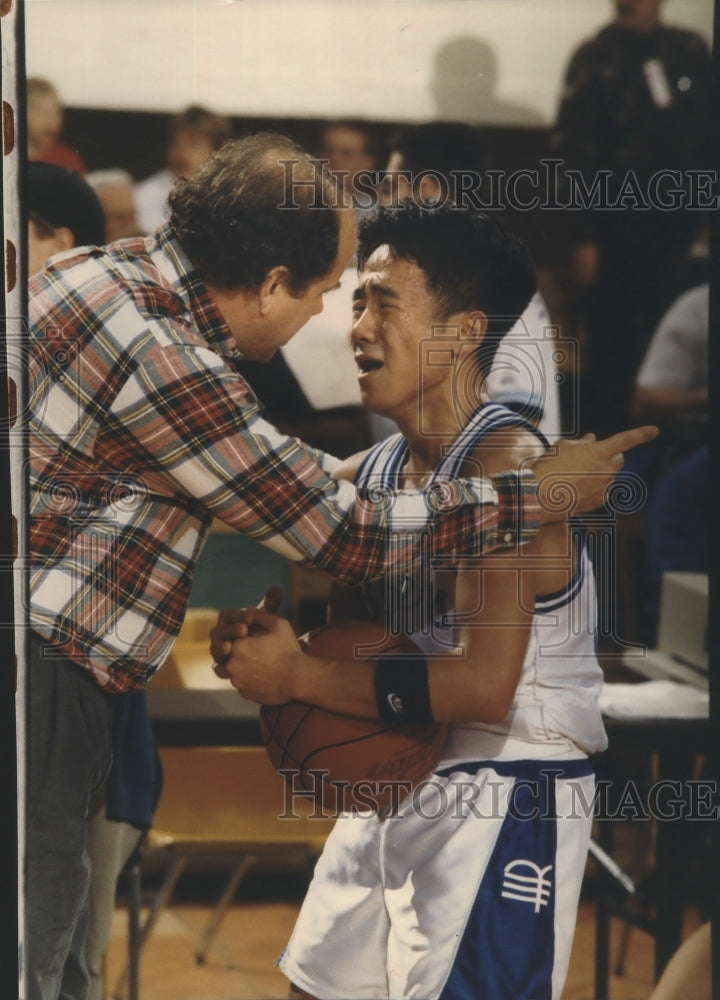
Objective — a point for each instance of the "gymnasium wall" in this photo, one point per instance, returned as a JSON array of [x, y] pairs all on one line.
[[317, 58]]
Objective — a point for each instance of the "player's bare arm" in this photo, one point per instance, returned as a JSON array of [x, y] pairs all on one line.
[[494, 602]]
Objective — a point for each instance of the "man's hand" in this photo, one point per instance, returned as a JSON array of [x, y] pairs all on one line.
[[261, 666], [237, 623], [575, 475]]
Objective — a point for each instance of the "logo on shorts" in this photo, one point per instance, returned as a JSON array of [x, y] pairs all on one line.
[[528, 888]]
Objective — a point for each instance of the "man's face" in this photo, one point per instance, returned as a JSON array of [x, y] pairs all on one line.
[[393, 314], [289, 313], [345, 149], [637, 15], [187, 152]]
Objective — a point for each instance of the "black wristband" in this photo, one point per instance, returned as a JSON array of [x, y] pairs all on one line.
[[402, 692]]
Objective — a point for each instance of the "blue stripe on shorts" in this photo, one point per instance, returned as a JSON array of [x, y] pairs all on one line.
[[507, 948]]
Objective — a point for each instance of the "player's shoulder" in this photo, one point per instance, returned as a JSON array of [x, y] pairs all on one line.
[[505, 450]]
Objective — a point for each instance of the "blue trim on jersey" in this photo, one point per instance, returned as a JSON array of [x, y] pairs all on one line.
[[507, 950], [383, 463], [547, 603]]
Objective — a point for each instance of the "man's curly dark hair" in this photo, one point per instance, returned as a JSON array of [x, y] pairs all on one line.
[[258, 203]]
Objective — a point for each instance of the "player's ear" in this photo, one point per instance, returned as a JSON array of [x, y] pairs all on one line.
[[274, 287], [473, 325]]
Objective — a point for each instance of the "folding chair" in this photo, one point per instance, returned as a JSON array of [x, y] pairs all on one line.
[[219, 804], [222, 804]]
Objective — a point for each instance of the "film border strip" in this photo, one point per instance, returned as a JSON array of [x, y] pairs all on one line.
[[12, 463]]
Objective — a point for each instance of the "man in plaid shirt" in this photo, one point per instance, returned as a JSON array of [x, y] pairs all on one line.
[[141, 431]]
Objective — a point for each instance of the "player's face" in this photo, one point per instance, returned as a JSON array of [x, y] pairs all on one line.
[[393, 318]]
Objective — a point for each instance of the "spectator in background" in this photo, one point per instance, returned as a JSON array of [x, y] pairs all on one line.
[[45, 120], [671, 388], [636, 102], [677, 531], [351, 148], [194, 135], [64, 212], [115, 190]]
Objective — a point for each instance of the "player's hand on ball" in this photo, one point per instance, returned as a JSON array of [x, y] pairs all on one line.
[[261, 666], [237, 623]]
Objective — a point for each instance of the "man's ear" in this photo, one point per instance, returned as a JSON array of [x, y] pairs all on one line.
[[273, 287]]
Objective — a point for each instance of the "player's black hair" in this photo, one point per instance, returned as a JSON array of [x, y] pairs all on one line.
[[258, 203], [470, 261]]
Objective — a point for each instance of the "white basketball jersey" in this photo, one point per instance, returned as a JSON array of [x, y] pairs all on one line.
[[555, 712]]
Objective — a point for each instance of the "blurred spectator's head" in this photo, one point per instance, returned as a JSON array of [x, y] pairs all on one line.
[[195, 134], [349, 147], [425, 160], [63, 212], [637, 15], [44, 117], [114, 189]]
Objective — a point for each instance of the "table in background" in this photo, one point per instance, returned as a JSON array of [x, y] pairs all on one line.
[[203, 718]]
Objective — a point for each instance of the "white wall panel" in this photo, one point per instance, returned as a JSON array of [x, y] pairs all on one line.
[[311, 58]]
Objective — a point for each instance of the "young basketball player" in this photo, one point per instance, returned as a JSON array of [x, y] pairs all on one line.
[[470, 888]]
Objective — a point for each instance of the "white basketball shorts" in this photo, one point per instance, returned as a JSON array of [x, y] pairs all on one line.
[[468, 892]]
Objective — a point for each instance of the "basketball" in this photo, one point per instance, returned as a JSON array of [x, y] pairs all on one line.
[[346, 763]]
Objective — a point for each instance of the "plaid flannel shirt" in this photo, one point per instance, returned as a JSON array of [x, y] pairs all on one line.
[[141, 432]]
